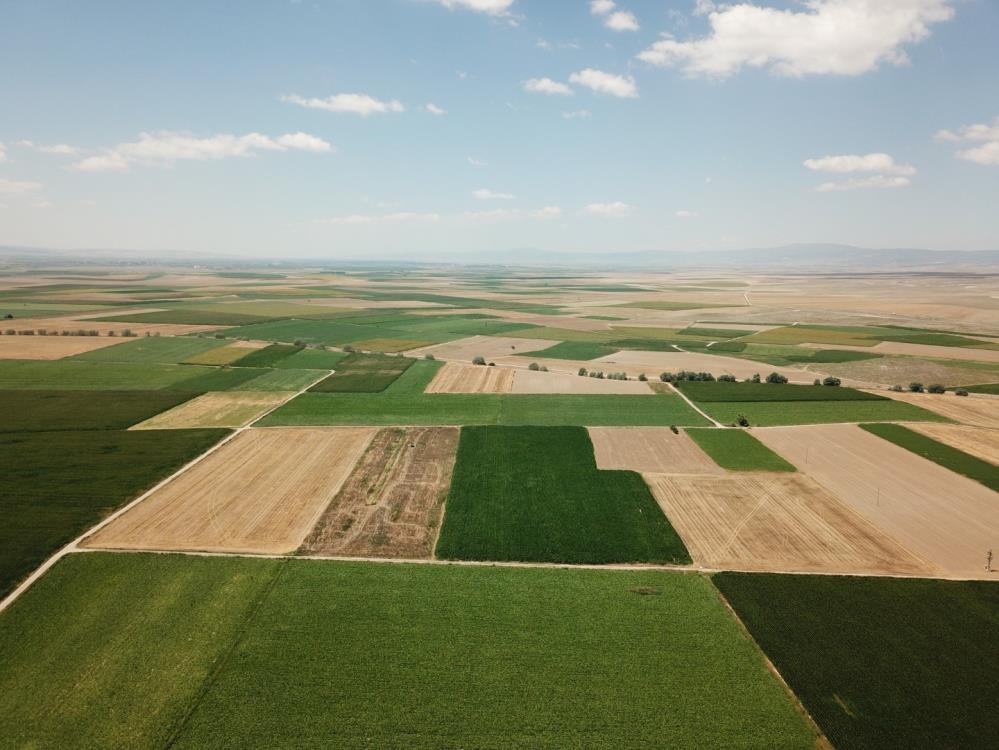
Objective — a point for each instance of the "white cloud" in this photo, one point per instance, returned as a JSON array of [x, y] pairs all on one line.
[[622, 20], [547, 86], [548, 212], [865, 183], [495, 214], [434, 109], [166, 147], [985, 134], [357, 104], [485, 194], [601, 7], [60, 149], [684, 214], [881, 163], [477, 162], [615, 210], [606, 83], [579, 114], [498, 8], [703, 7], [394, 218], [837, 37], [14, 187], [3, 152]]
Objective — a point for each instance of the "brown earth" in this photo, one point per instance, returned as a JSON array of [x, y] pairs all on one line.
[[656, 450], [653, 363], [776, 522], [903, 370], [945, 518], [51, 347], [535, 381], [262, 492], [980, 411], [454, 377], [393, 502], [219, 409], [982, 442], [920, 350], [489, 347]]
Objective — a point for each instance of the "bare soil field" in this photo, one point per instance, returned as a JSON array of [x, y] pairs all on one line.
[[262, 492], [941, 516], [534, 381], [217, 409], [393, 502], [490, 347], [652, 363], [977, 410], [903, 370], [655, 450], [776, 522], [50, 347], [978, 441], [458, 378]]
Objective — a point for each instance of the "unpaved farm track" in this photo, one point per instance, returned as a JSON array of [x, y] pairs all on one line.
[[941, 516], [656, 450], [776, 522], [393, 502], [261, 492], [454, 377]]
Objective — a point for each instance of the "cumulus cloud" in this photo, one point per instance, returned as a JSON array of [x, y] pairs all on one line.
[[489, 7], [357, 104], [865, 183], [393, 218], [547, 86], [60, 149], [882, 163], [166, 147], [615, 210], [485, 194], [477, 162], [606, 83], [986, 135], [601, 7], [3, 152], [826, 37], [14, 187], [434, 109], [579, 114], [548, 212], [616, 20]]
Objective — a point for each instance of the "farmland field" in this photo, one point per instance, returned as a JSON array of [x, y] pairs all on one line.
[[363, 373], [709, 392], [649, 449], [770, 413], [880, 662], [45, 411], [50, 347], [978, 441], [220, 409], [455, 377], [576, 350], [543, 499], [169, 350], [151, 650], [73, 374], [738, 450], [268, 356]]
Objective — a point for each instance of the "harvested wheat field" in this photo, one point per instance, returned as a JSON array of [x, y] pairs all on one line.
[[656, 450], [393, 502], [656, 362], [941, 516], [489, 347], [51, 347], [980, 411], [219, 409], [982, 442], [776, 522], [458, 378], [535, 381], [261, 492]]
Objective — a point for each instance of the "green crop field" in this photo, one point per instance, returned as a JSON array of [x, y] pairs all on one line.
[[738, 450], [48, 411], [880, 662], [535, 494], [948, 457], [280, 380], [213, 316], [168, 350], [990, 388], [706, 392], [773, 413], [223, 355], [73, 374], [363, 373], [113, 650], [575, 350], [484, 408], [269, 356], [311, 359], [415, 379], [565, 334], [57, 484]]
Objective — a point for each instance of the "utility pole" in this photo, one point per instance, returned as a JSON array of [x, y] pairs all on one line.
[[988, 561]]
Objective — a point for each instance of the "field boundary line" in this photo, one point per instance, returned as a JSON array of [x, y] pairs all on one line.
[[74, 545], [695, 407]]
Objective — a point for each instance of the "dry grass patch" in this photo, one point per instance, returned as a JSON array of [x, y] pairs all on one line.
[[941, 516], [533, 381], [652, 363], [51, 347], [490, 347], [458, 378], [221, 409], [982, 442], [224, 355], [980, 411], [776, 522], [656, 450], [393, 502], [261, 492]]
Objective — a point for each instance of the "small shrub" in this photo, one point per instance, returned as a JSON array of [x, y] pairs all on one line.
[[492, 364], [936, 388], [755, 378], [348, 348], [299, 343], [642, 378], [960, 392], [896, 388], [742, 420], [776, 378], [478, 360], [582, 372], [916, 387], [429, 356], [543, 368], [816, 382], [673, 429], [534, 366], [831, 382]]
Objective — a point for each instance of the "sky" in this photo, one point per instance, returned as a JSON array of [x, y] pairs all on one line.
[[423, 129]]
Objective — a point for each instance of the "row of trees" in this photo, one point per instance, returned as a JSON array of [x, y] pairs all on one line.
[[916, 387]]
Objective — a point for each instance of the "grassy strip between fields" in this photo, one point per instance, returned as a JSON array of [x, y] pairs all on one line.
[[57, 484], [113, 650], [484, 408], [535, 494], [880, 662], [773, 413], [738, 450], [950, 458], [48, 411]]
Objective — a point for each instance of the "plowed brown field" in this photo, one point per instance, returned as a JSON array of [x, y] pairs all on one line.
[[490, 347], [941, 516], [776, 522], [535, 381], [655, 450], [458, 378], [51, 347], [393, 502], [261, 492], [220, 409]]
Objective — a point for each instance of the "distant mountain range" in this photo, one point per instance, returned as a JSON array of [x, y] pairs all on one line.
[[826, 258]]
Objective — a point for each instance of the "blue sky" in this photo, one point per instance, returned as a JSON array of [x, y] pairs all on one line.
[[430, 128]]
